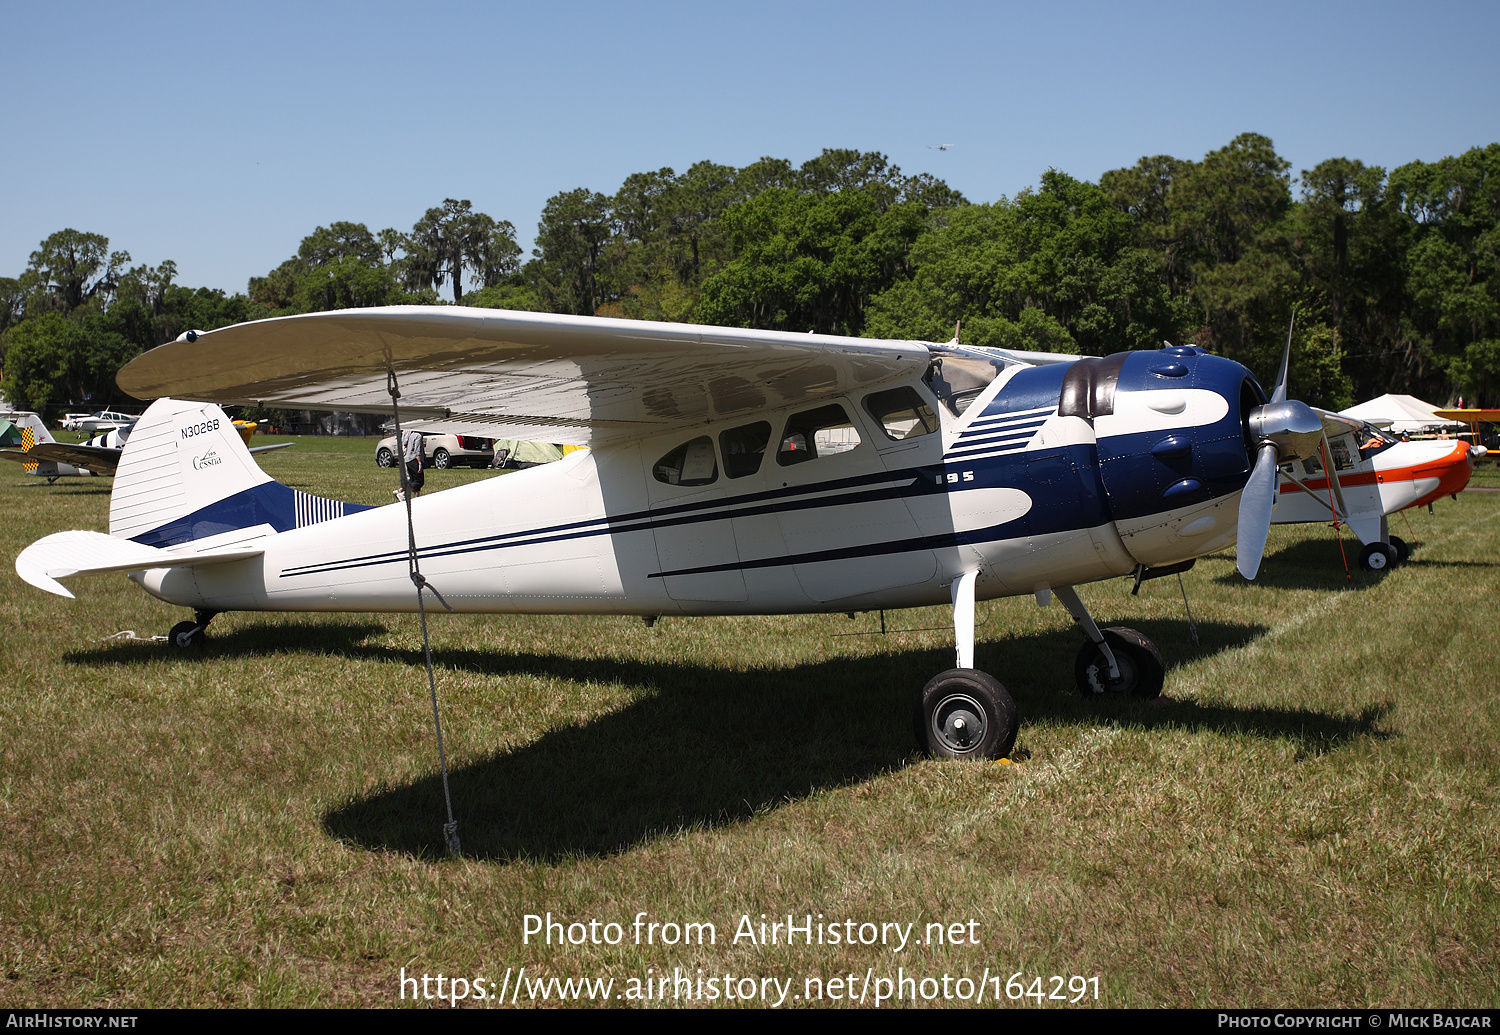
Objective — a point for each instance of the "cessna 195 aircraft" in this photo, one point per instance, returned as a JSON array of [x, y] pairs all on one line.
[[730, 472]]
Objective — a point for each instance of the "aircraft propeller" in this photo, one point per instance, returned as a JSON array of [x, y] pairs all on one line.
[[1283, 431]]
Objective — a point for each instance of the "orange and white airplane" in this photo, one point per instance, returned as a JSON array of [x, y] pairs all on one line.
[[1375, 474]]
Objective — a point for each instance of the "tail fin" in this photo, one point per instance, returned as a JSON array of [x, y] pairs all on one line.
[[33, 433], [185, 476]]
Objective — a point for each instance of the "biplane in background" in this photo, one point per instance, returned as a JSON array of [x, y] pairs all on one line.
[[730, 472], [1361, 475]]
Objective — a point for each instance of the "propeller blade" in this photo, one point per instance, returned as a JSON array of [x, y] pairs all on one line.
[[1256, 502], [1278, 394]]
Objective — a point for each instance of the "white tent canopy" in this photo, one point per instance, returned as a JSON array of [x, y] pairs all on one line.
[[1401, 413]]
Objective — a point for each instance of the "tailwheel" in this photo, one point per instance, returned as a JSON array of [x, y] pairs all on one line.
[[1141, 669], [187, 635], [190, 635], [1377, 557], [964, 713]]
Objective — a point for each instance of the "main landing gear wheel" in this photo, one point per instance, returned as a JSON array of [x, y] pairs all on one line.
[[1377, 557], [187, 635], [1142, 670], [1403, 552], [964, 713]]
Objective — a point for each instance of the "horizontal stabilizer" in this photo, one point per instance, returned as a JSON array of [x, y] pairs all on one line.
[[70, 553], [99, 459]]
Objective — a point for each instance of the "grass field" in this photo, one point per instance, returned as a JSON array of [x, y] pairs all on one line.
[[1307, 817]]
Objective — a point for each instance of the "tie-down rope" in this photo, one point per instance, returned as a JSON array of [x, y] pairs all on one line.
[[450, 828]]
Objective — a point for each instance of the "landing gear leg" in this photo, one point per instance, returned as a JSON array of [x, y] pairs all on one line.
[[190, 634], [1115, 660], [964, 713], [1070, 599]]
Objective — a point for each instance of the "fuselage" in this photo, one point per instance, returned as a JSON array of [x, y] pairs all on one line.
[[1374, 479], [1031, 476]]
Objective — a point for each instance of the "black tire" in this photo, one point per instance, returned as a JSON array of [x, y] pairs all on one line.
[[187, 635], [384, 457], [1142, 671], [1376, 557], [441, 459], [1403, 552], [966, 714]]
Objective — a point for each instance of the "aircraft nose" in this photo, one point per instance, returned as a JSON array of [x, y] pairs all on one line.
[[1176, 435]]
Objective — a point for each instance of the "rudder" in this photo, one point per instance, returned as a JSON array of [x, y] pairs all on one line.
[[185, 475]]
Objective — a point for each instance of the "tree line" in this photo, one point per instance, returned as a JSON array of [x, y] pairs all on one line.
[[1393, 275]]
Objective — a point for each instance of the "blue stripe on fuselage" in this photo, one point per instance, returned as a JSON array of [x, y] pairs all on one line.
[[1063, 484], [269, 503]]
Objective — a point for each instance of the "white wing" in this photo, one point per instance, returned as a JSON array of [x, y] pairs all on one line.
[[507, 374]]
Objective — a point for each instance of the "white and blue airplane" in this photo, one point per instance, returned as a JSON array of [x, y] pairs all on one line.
[[729, 472]]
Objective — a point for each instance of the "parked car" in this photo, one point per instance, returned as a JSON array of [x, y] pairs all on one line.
[[441, 451]]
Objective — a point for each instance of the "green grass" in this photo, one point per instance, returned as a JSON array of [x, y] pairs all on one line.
[[1307, 816]]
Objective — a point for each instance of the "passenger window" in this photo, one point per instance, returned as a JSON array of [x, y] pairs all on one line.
[[901, 413], [691, 463], [744, 448], [816, 433]]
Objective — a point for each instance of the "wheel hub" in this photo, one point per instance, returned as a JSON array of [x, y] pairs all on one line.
[[958, 721], [1099, 679]]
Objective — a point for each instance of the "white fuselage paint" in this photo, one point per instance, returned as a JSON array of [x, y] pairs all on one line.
[[596, 533]]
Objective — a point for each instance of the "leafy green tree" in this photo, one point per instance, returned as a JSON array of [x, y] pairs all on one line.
[[1452, 267], [1056, 270], [50, 360], [574, 233], [71, 268], [448, 240], [809, 261], [13, 293], [339, 266]]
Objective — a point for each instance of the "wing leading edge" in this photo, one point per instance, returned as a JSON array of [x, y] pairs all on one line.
[[573, 379]]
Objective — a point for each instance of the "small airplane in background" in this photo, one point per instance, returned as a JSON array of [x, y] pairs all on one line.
[[730, 471], [42, 455], [94, 423], [24, 439], [1361, 475]]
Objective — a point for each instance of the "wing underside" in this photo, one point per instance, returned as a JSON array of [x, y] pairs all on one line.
[[572, 379]]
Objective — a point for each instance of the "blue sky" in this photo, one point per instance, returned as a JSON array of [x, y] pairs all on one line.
[[218, 135]]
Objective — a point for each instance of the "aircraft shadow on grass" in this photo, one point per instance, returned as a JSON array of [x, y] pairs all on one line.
[[1311, 563], [1314, 563], [706, 746], [63, 490]]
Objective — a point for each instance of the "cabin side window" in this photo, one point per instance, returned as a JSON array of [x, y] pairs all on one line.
[[901, 413], [691, 463], [815, 433], [744, 448]]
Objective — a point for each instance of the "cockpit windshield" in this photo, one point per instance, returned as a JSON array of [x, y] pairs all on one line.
[[957, 376], [1372, 440]]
